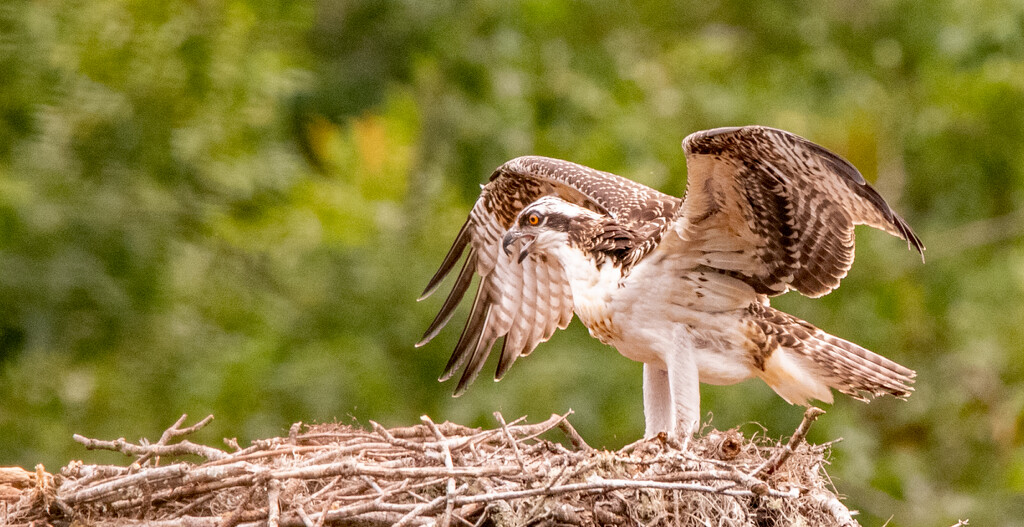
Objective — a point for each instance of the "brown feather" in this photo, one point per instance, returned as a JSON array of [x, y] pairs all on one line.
[[837, 363], [529, 302], [795, 203], [452, 301]]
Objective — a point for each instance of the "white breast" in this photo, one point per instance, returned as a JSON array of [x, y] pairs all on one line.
[[660, 308], [593, 292]]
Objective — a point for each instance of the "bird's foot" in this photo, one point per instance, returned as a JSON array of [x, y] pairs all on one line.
[[654, 444], [678, 441]]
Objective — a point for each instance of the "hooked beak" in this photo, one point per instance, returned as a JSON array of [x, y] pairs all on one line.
[[511, 237]]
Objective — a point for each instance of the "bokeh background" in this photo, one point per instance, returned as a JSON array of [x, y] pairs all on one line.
[[230, 207]]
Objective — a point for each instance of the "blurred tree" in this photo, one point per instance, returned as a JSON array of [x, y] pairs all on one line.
[[229, 208]]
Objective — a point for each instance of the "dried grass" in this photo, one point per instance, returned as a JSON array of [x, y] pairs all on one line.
[[437, 474]]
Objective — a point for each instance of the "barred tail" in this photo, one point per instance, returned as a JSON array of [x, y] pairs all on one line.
[[808, 362], [858, 372]]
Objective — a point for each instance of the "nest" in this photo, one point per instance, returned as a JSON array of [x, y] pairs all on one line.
[[438, 474]]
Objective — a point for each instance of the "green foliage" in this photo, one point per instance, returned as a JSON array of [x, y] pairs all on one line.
[[230, 208]]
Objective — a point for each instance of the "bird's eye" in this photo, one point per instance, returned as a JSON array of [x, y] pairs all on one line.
[[533, 219]]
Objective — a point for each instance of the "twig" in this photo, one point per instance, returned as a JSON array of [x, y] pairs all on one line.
[[511, 440], [404, 443], [323, 489], [558, 479], [448, 463], [531, 431], [129, 449], [103, 489], [323, 514], [833, 507], [194, 505], [424, 508], [304, 516], [571, 433], [372, 484], [781, 455], [174, 432], [236, 515], [273, 502], [283, 451]]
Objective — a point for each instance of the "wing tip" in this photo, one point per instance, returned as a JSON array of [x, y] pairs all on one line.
[[432, 285], [444, 315], [428, 291], [475, 365], [913, 240], [506, 358]]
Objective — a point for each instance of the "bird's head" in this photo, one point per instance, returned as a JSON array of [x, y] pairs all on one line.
[[544, 225]]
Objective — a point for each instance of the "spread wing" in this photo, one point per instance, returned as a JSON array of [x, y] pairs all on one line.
[[776, 210], [525, 303]]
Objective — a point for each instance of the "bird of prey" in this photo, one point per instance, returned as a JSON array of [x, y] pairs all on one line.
[[681, 285]]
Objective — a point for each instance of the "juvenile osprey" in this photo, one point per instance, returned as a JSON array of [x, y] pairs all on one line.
[[680, 285]]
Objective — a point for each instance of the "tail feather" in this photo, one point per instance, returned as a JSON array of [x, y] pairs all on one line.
[[856, 371], [801, 362]]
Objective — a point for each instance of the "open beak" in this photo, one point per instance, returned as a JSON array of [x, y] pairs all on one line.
[[513, 236]]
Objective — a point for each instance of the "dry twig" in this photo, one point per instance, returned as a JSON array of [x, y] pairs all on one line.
[[782, 454]]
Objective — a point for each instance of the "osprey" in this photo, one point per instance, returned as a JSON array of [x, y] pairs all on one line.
[[680, 285]]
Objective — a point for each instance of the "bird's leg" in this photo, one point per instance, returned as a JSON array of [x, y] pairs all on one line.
[[657, 401], [684, 385]]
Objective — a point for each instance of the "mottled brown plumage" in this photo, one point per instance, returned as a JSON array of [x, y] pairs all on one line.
[[638, 215], [679, 285], [848, 367], [802, 216]]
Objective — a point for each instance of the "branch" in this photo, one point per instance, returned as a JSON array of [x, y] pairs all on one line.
[[449, 463], [574, 436], [511, 440], [273, 503], [833, 507], [174, 432], [781, 455], [404, 443], [146, 451]]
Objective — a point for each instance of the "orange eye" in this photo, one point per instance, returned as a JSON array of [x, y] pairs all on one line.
[[533, 219]]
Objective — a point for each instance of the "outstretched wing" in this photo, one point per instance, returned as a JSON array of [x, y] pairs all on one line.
[[776, 210], [525, 303]]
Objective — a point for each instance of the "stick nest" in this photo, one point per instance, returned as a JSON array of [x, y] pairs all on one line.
[[437, 474]]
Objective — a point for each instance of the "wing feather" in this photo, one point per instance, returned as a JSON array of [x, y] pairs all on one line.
[[777, 209], [526, 303], [454, 253], [454, 297], [470, 335], [478, 355]]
